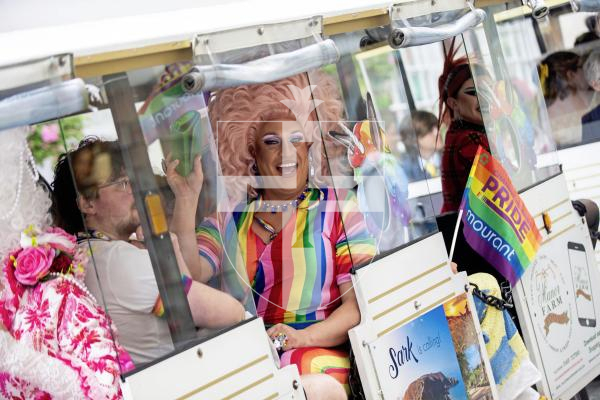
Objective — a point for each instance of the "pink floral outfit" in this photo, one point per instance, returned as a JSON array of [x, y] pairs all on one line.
[[58, 342]]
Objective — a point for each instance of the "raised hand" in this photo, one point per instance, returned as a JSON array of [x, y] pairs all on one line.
[[184, 187]]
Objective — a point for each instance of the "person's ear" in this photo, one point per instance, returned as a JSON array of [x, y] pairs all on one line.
[[86, 206], [571, 75], [452, 103], [596, 85]]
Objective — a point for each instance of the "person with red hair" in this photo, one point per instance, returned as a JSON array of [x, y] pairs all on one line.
[[460, 108]]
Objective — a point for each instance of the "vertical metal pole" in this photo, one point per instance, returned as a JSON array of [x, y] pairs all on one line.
[[538, 36], [350, 89], [407, 91], [139, 171], [494, 44]]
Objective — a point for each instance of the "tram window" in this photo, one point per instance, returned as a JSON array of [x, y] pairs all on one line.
[[405, 97], [138, 270], [521, 49], [309, 194], [513, 110], [423, 65], [394, 196], [565, 39], [381, 73]]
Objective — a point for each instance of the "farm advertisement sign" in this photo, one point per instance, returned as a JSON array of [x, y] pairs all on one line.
[[563, 305]]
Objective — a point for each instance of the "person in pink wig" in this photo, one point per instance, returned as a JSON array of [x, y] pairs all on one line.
[[295, 236]]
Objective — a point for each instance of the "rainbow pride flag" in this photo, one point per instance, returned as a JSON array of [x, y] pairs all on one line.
[[497, 225]]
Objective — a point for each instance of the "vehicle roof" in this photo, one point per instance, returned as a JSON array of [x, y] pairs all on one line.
[[86, 34]]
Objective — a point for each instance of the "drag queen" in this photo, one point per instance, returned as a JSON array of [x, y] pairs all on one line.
[[295, 237]]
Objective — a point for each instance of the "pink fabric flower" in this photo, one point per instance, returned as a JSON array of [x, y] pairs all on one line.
[[58, 239], [33, 263], [62, 264], [49, 133]]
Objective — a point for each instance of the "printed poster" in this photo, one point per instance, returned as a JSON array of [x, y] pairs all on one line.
[[436, 356], [563, 305]]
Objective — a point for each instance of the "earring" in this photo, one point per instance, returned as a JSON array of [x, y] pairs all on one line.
[[311, 170], [457, 116], [254, 168]]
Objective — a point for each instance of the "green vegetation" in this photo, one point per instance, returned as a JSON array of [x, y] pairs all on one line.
[[50, 139]]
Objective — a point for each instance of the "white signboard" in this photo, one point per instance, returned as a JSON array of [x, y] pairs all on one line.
[[562, 306], [558, 300], [419, 329], [437, 355]]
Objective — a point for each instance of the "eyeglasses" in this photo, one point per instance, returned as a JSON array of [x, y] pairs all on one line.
[[123, 185]]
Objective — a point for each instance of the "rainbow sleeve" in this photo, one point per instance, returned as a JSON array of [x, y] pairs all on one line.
[[159, 309], [354, 245], [210, 245]]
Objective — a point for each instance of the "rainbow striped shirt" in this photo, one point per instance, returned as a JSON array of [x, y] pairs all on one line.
[[296, 277]]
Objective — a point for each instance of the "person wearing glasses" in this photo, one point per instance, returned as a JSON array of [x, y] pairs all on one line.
[[100, 209], [590, 121]]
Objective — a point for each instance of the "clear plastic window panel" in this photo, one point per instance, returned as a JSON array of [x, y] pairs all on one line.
[[286, 191], [378, 152], [135, 193], [569, 43], [304, 194], [511, 100]]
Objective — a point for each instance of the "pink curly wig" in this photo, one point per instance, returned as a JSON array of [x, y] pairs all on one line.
[[236, 114]]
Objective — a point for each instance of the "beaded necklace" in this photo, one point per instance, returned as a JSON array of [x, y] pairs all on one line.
[[74, 281], [81, 285], [265, 206], [25, 153]]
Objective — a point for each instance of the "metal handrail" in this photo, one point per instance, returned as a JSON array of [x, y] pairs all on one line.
[[43, 104], [267, 69], [419, 35]]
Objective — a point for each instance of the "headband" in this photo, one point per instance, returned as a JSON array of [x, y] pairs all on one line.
[[455, 80]]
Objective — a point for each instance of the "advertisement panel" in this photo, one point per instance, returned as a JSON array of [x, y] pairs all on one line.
[[562, 304], [437, 356]]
